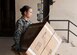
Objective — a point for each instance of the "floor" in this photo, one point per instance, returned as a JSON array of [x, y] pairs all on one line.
[[5, 46], [7, 42]]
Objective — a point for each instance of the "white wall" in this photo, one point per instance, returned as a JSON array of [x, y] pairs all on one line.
[[64, 10], [32, 3], [61, 9]]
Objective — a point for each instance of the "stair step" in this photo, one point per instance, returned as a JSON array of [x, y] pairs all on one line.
[[73, 40], [66, 49]]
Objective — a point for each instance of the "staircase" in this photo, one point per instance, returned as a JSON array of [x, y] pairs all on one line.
[[69, 44]]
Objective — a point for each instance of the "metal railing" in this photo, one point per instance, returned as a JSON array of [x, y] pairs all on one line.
[[68, 28]]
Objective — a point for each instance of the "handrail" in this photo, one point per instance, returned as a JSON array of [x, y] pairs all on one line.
[[73, 33], [61, 29], [68, 29], [58, 20], [75, 26], [73, 23]]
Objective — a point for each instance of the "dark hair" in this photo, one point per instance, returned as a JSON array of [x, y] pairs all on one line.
[[24, 8]]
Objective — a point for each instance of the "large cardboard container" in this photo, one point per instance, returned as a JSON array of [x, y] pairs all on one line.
[[30, 34], [46, 43]]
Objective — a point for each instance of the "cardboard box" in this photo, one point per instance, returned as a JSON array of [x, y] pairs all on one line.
[[46, 42]]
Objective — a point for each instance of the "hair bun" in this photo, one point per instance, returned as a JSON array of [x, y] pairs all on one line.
[[24, 8]]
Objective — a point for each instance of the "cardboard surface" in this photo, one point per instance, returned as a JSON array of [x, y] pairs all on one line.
[[46, 42]]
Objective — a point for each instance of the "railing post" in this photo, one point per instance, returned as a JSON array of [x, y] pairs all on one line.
[[68, 31]]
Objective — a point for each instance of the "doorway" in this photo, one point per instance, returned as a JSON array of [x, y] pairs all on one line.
[[7, 17]]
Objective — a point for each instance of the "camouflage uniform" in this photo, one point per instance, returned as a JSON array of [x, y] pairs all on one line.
[[21, 26]]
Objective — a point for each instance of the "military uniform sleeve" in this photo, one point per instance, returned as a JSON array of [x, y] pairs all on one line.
[[18, 31]]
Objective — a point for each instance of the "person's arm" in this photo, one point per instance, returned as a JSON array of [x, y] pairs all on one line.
[[17, 35], [18, 31]]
